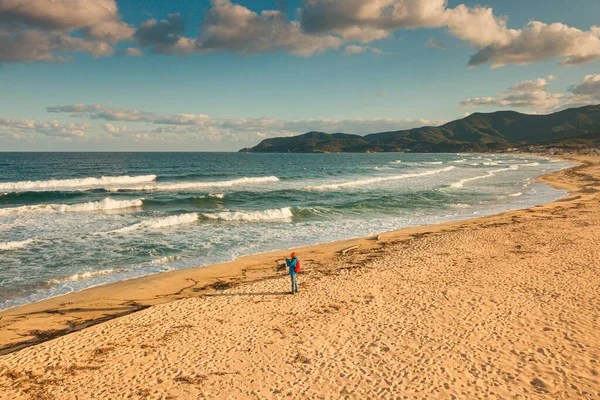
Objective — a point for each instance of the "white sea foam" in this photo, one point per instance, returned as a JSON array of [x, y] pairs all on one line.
[[433, 162], [14, 245], [533, 164], [489, 174], [459, 161], [159, 223], [92, 274], [102, 205], [183, 186], [460, 205], [213, 195], [160, 261], [82, 276], [515, 194], [262, 215], [396, 162], [363, 182], [62, 184]]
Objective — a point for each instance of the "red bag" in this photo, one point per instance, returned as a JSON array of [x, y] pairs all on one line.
[[297, 269]]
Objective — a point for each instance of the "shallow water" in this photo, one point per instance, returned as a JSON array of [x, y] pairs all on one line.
[[69, 221]]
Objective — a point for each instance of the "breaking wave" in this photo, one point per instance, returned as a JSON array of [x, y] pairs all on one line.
[[263, 215], [78, 183], [363, 182], [213, 196], [183, 186], [82, 276], [88, 275], [102, 205], [14, 245], [159, 223], [461, 183]]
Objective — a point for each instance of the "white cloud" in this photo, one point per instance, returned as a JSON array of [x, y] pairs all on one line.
[[233, 28], [99, 18], [42, 30], [162, 36], [527, 94], [38, 46], [586, 92], [538, 42], [354, 49], [115, 130], [47, 30], [20, 128], [232, 128], [478, 26], [133, 52]]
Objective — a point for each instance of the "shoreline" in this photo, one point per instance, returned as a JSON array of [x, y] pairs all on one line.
[[499, 307], [370, 236], [26, 325], [433, 221]]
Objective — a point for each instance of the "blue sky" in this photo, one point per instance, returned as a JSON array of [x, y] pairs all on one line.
[[214, 76]]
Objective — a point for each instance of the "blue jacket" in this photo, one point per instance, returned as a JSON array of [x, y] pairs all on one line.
[[292, 265]]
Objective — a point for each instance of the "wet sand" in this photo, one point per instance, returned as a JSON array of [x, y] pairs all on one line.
[[500, 307]]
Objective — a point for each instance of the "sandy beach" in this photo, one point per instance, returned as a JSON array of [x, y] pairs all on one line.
[[498, 307]]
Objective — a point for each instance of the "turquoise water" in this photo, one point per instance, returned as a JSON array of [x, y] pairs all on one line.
[[69, 221]]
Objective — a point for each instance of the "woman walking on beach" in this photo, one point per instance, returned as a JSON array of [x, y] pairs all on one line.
[[294, 268]]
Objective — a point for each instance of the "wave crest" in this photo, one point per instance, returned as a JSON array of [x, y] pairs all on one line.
[[489, 174], [14, 245], [92, 274], [211, 196], [262, 215], [363, 182], [159, 223], [102, 205], [183, 186], [54, 184]]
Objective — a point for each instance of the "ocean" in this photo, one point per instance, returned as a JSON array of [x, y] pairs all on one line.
[[70, 221]]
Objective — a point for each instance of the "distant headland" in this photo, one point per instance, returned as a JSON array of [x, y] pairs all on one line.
[[574, 128]]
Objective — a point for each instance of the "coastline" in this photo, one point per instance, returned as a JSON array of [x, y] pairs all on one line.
[[504, 306], [35, 323]]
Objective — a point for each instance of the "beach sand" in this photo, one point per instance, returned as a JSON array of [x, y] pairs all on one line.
[[502, 307]]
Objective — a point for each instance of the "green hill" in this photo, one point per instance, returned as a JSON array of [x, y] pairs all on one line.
[[477, 132]]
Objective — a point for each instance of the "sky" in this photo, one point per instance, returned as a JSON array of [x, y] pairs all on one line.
[[220, 75]]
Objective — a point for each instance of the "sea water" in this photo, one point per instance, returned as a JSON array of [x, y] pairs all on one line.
[[69, 221]]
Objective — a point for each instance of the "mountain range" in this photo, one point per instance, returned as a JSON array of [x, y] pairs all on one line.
[[574, 127]]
